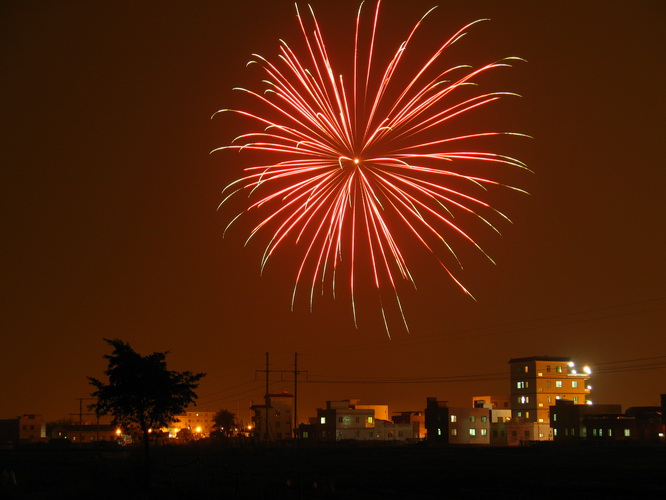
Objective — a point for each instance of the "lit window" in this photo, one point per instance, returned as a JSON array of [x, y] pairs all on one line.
[[539, 374], [541, 420], [527, 414], [439, 432], [575, 399], [322, 420], [369, 420], [454, 432], [540, 405], [554, 432], [519, 413], [558, 383], [520, 385], [484, 432], [472, 419], [526, 368], [554, 417], [627, 432], [454, 418], [484, 418], [558, 369], [472, 432], [549, 399], [574, 384]]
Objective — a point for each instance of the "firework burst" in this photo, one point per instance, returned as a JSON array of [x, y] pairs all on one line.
[[360, 169]]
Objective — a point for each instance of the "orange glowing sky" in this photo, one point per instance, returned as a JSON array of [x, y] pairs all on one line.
[[111, 229]]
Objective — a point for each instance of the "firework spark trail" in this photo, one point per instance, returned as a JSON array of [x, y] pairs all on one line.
[[351, 170]]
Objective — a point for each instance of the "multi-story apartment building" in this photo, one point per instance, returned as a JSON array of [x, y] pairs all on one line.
[[199, 423], [275, 422], [536, 384]]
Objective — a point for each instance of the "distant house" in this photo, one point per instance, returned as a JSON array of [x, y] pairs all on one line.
[[347, 420], [273, 422], [85, 433], [480, 424], [415, 418], [24, 429], [606, 423], [199, 424]]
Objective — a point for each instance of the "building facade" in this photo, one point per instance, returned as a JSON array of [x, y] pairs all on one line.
[[536, 384], [275, 422]]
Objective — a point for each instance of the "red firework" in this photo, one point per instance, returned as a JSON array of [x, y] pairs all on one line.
[[351, 163]]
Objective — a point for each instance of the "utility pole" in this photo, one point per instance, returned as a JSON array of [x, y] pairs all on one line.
[[267, 401], [296, 372], [296, 435], [80, 414]]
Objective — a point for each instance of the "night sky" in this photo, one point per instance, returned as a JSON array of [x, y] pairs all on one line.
[[111, 227]]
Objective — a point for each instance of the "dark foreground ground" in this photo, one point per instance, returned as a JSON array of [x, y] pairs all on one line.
[[340, 472]]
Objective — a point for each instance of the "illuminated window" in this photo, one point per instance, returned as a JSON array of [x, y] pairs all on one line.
[[541, 420], [540, 405], [554, 417], [454, 432], [439, 432], [484, 418], [484, 432], [524, 399], [369, 420], [554, 432], [575, 399], [519, 414], [472, 419], [472, 432], [627, 432], [558, 369], [574, 384], [539, 374], [549, 399], [454, 418], [322, 420], [526, 368], [520, 385], [558, 383], [610, 432]]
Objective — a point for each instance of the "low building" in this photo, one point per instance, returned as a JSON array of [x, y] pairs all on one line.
[[86, 433], [348, 420], [27, 428], [606, 423], [415, 418]]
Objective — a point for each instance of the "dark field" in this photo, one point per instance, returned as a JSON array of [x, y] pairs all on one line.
[[341, 472]]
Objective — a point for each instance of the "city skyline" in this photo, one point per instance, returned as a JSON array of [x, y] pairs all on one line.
[[112, 230]]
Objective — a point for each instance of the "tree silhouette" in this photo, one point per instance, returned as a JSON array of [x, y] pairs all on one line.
[[141, 391], [225, 422]]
